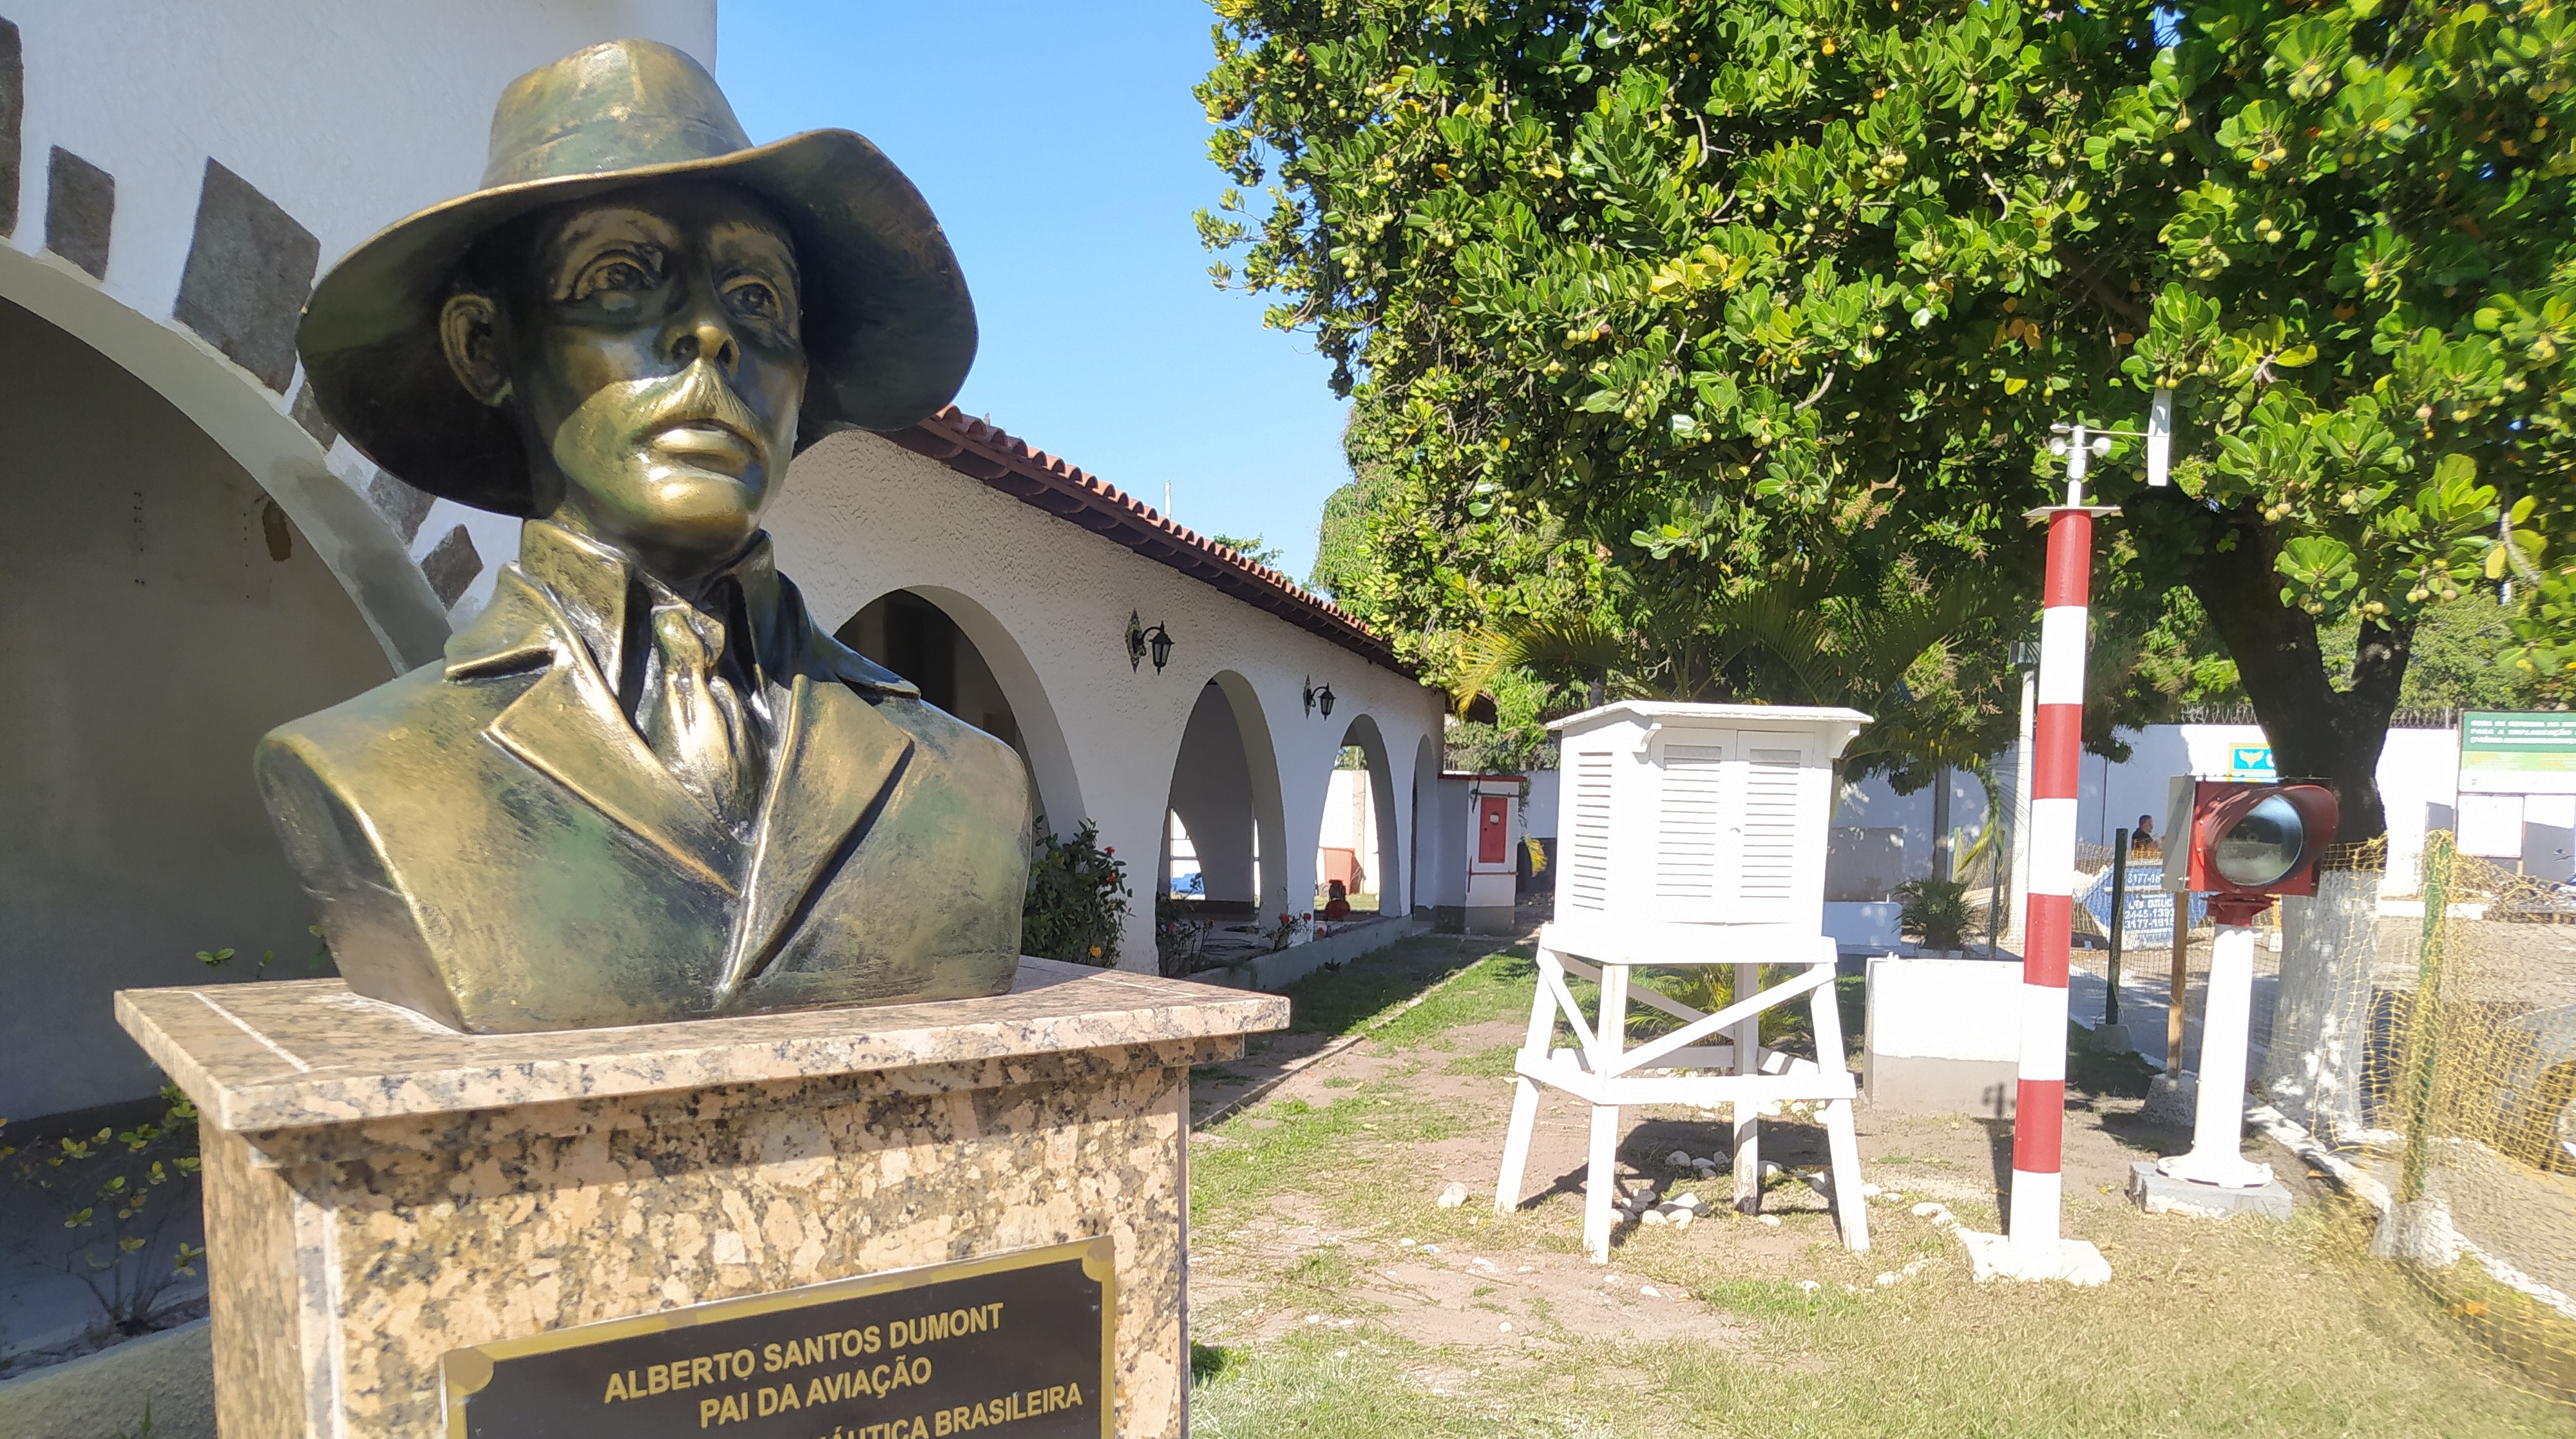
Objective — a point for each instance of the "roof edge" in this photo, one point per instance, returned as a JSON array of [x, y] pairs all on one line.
[[1007, 463]]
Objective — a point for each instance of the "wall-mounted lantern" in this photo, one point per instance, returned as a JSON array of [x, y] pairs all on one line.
[[1319, 697], [1142, 642]]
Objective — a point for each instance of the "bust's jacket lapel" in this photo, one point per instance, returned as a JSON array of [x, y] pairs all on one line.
[[838, 762], [567, 726]]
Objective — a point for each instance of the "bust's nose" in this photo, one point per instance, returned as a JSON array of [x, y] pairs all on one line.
[[702, 334]]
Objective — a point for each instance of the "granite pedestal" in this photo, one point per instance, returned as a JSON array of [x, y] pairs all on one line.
[[381, 1190]]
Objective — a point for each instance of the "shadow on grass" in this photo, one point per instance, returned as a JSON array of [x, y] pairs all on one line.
[[1338, 1001], [1646, 1151]]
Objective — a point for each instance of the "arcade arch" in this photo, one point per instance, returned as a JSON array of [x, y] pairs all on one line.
[[228, 406], [1362, 821], [165, 611], [1225, 798], [968, 664]]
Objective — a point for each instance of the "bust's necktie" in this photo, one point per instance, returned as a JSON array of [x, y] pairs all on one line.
[[698, 728]]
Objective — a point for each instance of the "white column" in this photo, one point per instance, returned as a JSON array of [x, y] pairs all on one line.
[[2218, 1127]]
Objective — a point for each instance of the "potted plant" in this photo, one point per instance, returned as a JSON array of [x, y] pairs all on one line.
[[1935, 912]]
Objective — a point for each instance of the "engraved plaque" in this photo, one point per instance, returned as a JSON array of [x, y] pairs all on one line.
[[1017, 1345]]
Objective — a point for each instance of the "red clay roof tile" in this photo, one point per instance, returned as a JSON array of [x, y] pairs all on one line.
[[1007, 463]]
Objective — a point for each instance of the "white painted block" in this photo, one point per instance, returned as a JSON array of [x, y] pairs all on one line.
[[1946, 1009]]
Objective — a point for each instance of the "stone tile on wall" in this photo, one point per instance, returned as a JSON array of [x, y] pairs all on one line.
[[402, 506], [13, 112], [308, 413], [250, 267], [452, 566], [80, 211]]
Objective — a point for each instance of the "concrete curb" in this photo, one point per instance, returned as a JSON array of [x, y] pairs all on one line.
[[1274, 972], [104, 1395]]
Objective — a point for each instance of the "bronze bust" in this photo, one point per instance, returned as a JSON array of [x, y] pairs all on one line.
[[643, 785]]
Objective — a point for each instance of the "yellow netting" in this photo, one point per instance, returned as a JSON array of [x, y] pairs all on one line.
[[2471, 1122]]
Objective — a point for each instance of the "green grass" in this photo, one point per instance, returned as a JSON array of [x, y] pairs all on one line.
[[1775, 1298], [1341, 1001], [1266, 1150], [1494, 1063], [1496, 987]]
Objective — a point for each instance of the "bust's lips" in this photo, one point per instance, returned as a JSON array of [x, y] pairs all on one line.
[[710, 442]]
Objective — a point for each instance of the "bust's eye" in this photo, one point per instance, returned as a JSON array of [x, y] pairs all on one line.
[[613, 274], [755, 297]]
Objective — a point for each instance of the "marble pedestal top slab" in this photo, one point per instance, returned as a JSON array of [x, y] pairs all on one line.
[[304, 1053]]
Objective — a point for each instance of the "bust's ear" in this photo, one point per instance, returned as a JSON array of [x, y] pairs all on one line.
[[466, 331]]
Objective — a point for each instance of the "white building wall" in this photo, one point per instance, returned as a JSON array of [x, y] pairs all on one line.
[[1047, 603]]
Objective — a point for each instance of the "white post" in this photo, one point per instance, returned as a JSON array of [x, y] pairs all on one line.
[[2218, 1127], [1746, 1114]]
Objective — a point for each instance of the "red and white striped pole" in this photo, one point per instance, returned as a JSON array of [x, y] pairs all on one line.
[[2039, 1122]]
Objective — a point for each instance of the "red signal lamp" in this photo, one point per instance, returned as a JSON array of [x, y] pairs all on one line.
[[2252, 843]]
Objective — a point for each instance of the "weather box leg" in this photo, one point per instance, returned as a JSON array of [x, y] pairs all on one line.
[[1516, 1143], [1516, 1140], [1748, 1116], [1842, 1141], [1602, 1183]]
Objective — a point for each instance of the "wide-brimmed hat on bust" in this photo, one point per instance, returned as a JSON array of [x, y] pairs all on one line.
[[889, 330]]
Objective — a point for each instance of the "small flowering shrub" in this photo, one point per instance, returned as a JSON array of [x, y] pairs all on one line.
[[1285, 932], [1077, 897], [123, 1197]]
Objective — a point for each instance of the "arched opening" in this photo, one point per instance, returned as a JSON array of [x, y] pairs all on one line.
[[1224, 861], [164, 613], [355, 543], [1357, 843], [968, 665]]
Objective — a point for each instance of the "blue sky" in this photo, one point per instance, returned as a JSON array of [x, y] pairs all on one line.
[[1060, 146]]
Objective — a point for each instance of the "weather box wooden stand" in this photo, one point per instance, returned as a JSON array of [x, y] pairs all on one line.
[[1690, 834]]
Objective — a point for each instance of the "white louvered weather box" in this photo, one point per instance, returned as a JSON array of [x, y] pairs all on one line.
[[1683, 826]]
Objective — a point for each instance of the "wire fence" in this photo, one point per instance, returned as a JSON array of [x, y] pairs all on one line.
[[2422, 1026]]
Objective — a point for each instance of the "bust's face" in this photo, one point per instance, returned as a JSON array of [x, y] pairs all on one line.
[[649, 345]]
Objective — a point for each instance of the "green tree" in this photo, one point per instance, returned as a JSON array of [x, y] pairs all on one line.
[[1251, 547], [2455, 661], [1341, 535], [1728, 292]]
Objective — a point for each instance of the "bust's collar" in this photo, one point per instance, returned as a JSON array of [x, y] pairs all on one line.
[[566, 581]]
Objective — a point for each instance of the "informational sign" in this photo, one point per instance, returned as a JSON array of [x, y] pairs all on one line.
[[1018, 1343], [2250, 761], [2491, 825], [2503, 752], [2146, 910]]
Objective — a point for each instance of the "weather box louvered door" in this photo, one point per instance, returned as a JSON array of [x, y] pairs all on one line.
[[1585, 809], [1780, 829], [1697, 835]]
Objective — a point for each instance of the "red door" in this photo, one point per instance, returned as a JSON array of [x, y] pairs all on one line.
[[1493, 828]]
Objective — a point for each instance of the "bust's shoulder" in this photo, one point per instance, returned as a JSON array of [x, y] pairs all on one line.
[[400, 713]]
